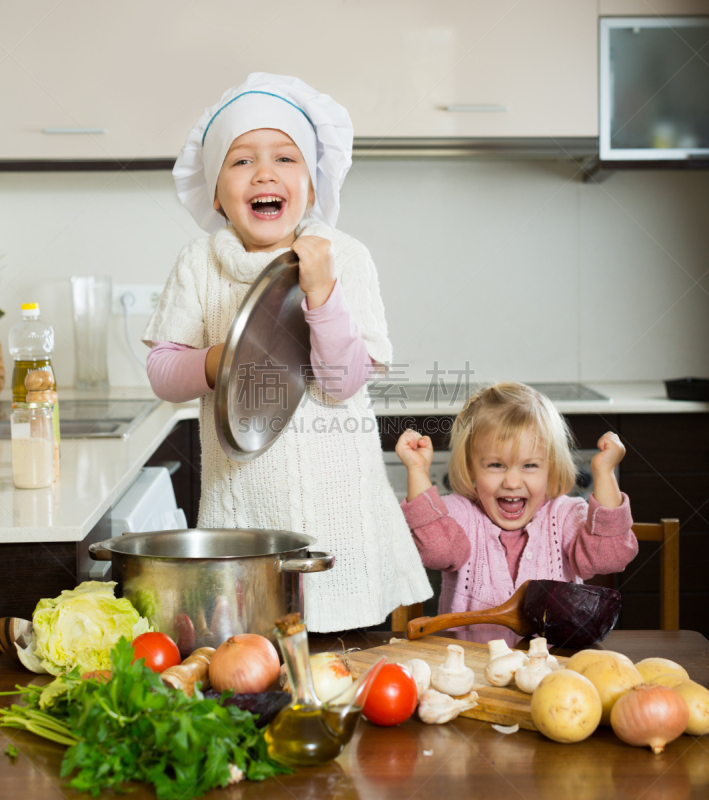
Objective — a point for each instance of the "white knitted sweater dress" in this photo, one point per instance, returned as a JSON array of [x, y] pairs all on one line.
[[325, 474]]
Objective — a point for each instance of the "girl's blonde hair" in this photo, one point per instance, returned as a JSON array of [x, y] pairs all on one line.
[[507, 410]]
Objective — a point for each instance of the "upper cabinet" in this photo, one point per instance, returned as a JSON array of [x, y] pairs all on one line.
[[652, 8], [88, 80]]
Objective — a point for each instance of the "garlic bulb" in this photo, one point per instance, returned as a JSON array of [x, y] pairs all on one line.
[[539, 645], [503, 663], [420, 672], [453, 677], [530, 675], [435, 708]]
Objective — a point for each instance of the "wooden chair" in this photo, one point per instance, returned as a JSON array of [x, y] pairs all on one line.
[[666, 532]]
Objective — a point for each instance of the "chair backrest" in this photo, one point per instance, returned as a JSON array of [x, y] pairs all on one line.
[[667, 533]]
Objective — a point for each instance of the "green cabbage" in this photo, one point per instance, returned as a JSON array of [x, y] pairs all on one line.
[[79, 629]]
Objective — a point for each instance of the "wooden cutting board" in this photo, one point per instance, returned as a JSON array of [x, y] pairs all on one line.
[[502, 705]]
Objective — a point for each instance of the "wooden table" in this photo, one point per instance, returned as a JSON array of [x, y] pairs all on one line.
[[464, 758]]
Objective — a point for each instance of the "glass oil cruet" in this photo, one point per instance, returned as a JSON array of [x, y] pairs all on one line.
[[309, 732]]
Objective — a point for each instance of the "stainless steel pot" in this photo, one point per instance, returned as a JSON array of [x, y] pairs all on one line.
[[202, 586]]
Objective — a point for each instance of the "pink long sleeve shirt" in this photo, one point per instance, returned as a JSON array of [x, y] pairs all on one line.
[[568, 540], [338, 356]]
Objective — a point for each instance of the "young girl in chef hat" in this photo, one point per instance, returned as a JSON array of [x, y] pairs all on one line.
[[261, 172], [510, 519]]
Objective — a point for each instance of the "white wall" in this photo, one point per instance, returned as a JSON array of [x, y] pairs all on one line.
[[517, 267]]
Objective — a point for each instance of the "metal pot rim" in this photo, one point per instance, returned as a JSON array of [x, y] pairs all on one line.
[[299, 541]]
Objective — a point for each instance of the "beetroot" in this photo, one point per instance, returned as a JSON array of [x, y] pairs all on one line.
[[574, 615]]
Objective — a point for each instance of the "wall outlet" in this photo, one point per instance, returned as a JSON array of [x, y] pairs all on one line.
[[145, 298]]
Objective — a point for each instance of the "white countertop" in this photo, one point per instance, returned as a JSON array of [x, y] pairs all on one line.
[[94, 475], [96, 472], [640, 397]]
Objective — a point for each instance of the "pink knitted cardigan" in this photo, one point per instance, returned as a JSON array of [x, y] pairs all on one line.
[[568, 540]]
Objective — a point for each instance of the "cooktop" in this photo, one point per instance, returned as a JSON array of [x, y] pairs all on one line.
[[451, 393]]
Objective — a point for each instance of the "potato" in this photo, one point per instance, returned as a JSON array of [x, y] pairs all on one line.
[[651, 667], [584, 658], [566, 707], [697, 699], [612, 679], [670, 679]]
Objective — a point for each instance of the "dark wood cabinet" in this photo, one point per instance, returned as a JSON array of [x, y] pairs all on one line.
[[181, 454], [31, 571]]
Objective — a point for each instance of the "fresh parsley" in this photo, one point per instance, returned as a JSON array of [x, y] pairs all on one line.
[[11, 751], [134, 728]]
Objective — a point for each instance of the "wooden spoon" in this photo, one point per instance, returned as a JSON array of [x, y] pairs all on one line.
[[510, 614], [14, 629]]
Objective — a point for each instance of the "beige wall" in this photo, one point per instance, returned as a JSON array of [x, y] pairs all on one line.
[[517, 267]]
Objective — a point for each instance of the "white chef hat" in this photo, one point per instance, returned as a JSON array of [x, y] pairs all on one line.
[[320, 127]]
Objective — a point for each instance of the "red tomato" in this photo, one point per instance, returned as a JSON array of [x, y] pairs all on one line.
[[392, 698], [158, 650]]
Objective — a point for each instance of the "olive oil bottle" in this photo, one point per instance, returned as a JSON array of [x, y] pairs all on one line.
[[309, 732], [31, 346]]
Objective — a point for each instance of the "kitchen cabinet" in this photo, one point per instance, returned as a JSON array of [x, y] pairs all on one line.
[[643, 8], [33, 570], [91, 81]]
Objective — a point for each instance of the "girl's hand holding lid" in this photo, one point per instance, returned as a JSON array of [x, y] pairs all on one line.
[[317, 268], [414, 450]]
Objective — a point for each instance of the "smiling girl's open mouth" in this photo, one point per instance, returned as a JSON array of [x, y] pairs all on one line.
[[511, 507], [267, 206]]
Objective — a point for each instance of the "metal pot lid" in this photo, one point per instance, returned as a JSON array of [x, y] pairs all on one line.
[[263, 371], [208, 543]]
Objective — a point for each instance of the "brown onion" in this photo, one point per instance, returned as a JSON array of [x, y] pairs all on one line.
[[649, 715], [244, 663]]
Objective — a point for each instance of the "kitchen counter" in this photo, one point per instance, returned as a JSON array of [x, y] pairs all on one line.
[[96, 472], [464, 758], [639, 397]]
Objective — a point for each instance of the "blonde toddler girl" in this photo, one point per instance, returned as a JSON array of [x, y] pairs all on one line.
[[261, 172], [510, 519]]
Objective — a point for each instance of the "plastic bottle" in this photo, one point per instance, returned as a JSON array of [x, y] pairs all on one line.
[[31, 346]]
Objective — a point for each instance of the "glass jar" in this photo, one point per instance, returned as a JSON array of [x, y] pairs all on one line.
[[32, 445]]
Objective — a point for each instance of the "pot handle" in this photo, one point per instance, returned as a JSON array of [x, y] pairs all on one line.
[[98, 552], [315, 562]]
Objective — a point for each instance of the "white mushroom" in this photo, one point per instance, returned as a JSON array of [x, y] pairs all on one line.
[[453, 677], [538, 646], [530, 675], [435, 708], [503, 663], [420, 672]]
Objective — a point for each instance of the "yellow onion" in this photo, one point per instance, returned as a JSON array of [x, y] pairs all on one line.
[[244, 663], [649, 715], [696, 697], [330, 675]]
